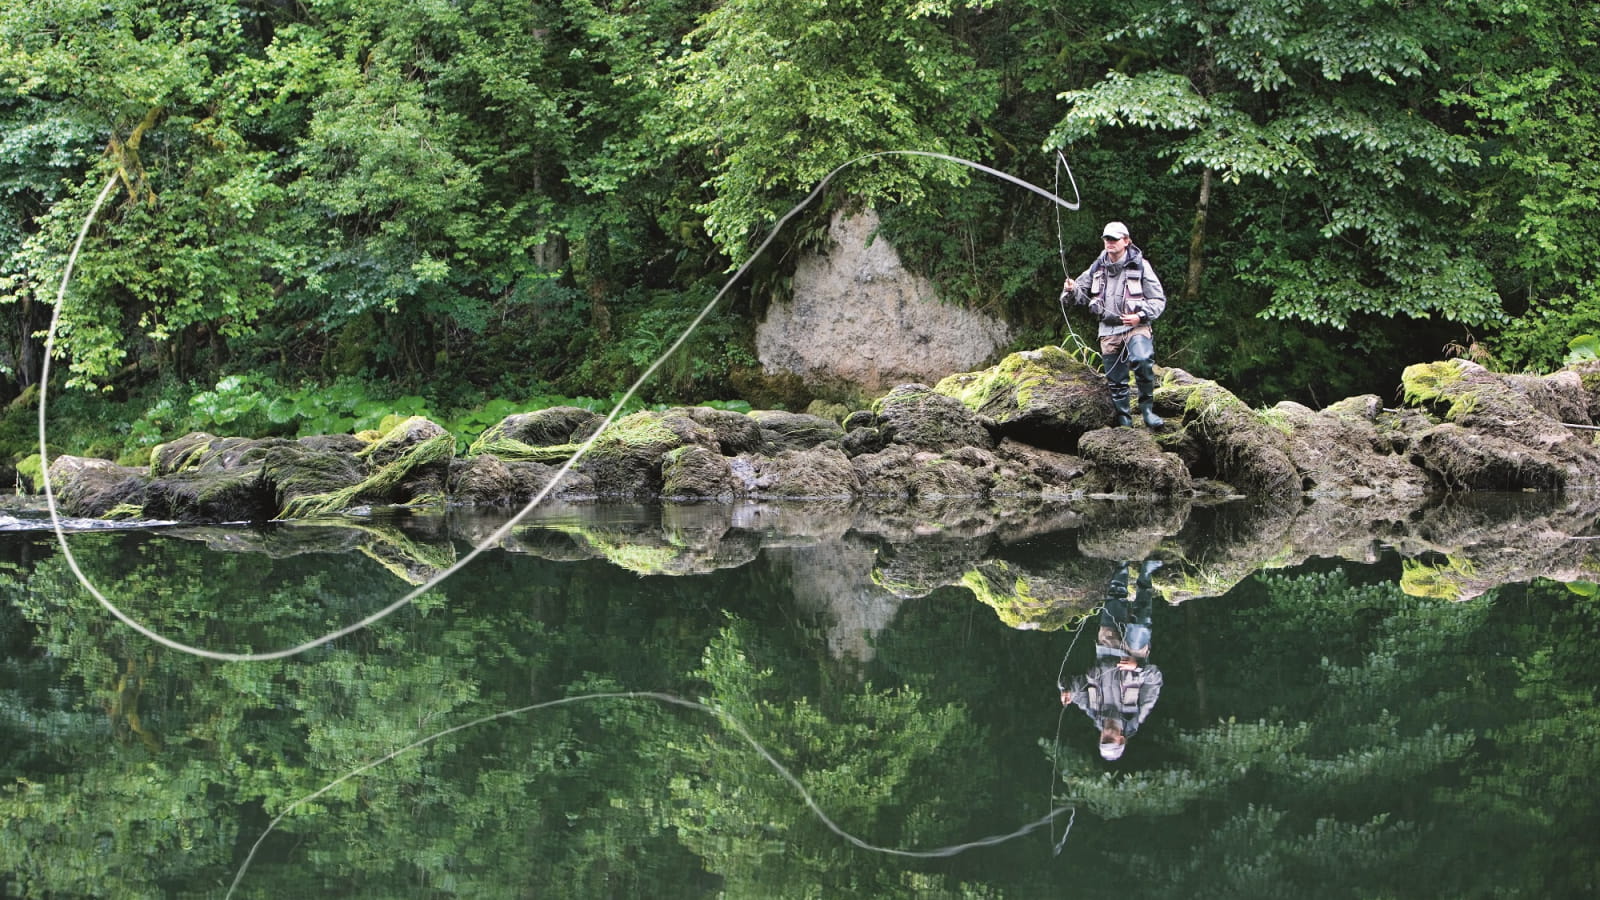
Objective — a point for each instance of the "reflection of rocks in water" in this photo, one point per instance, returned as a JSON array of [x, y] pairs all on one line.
[[1005, 518], [1223, 545], [1130, 528], [1464, 545], [916, 567], [645, 540], [1046, 599], [786, 522], [414, 554], [833, 579], [1353, 529], [275, 541], [412, 561], [1455, 546], [655, 551]]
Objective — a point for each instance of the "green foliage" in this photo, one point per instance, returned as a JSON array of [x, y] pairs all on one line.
[[779, 95], [492, 197], [150, 83], [1532, 97], [856, 761], [1583, 348], [648, 324], [256, 406], [1326, 127]]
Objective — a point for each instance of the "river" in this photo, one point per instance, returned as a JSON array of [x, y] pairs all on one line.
[[1376, 699]]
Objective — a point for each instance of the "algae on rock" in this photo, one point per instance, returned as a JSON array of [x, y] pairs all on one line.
[[407, 447]]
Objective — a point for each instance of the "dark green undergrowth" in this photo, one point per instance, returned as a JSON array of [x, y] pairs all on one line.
[[255, 406]]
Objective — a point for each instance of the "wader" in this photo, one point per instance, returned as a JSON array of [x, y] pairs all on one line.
[[1133, 349]]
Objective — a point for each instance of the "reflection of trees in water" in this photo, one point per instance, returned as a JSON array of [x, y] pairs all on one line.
[[1349, 698], [1324, 703]]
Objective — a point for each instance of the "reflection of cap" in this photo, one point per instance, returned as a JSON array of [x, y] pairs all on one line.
[[1115, 229], [1112, 750]]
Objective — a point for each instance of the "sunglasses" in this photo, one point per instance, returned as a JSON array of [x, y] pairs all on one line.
[[1109, 239]]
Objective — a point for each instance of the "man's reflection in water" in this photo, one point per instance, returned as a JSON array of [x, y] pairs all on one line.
[[1121, 689]]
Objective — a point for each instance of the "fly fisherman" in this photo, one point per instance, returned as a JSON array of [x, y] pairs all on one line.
[[1123, 292]]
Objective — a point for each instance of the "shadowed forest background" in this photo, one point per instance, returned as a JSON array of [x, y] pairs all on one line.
[[330, 211]]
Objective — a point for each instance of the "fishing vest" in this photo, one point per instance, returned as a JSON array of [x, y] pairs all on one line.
[[1133, 281]]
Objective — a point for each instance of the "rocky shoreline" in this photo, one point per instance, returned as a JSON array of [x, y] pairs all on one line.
[[1032, 428]]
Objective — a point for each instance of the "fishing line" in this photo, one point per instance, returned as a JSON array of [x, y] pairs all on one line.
[[1055, 761], [499, 534], [728, 720], [1061, 246]]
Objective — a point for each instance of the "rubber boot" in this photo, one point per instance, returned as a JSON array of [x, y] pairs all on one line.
[[1151, 420], [1124, 416], [1144, 375], [1116, 368]]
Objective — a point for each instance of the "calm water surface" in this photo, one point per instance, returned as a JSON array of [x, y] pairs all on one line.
[[807, 701]]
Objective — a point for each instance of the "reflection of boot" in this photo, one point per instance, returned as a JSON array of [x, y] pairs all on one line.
[[1150, 565]]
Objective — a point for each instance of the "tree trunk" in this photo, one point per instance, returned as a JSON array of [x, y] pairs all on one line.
[[1197, 240], [1206, 78]]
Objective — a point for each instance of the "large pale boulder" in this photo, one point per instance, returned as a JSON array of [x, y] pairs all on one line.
[[857, 322]]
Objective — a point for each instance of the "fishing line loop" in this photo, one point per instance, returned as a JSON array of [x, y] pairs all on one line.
[[727, 719], [499, 534]]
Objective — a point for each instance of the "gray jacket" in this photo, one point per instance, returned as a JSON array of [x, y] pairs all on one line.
[[1107, 692], [1111, 289]]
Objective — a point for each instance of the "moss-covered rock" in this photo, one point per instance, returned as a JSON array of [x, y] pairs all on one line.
[[1058, 474], [1459, 459], [518, 436], [1339, 451], [488, 480], [782, 430], [917, 416], [239, 494], [90, 488], [816, 473], [696, 473], [408, 465], [1236, 445], [625, 459], [1559, 395], [1045, 397], [1128, 461], [299, 473], [734, 432], [1513, 433]]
